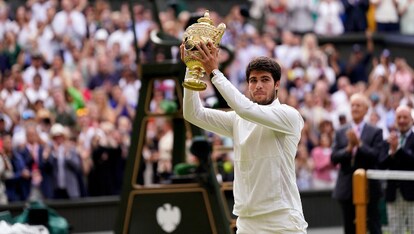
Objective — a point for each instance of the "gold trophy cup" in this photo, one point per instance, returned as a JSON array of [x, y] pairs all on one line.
[[202, 31]]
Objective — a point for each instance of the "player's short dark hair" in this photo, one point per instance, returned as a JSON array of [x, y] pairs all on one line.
[[264, 64]]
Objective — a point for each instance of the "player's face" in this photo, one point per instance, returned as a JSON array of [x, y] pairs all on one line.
[[262, 87]]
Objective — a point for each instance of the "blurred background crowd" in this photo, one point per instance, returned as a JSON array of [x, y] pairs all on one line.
[[69, 84]]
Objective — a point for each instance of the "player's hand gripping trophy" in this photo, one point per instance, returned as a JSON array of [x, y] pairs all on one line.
[[202, 31]]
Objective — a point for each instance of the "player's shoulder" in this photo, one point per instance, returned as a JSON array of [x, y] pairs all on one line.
[[290, 108]]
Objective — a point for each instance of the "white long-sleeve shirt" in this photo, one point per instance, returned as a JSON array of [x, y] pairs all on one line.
[[265, 141]]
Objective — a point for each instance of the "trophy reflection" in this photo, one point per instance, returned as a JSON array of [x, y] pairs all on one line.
[[202, 31]]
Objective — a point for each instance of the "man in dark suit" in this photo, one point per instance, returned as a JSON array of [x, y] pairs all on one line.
[[16, 188], [39, 165], [400, 194], [66, 164], [357, 145]]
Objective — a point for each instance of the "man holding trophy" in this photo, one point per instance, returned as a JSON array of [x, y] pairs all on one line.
[[265, 134]]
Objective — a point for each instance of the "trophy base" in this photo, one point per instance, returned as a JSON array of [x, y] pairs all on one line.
[[194, 84]]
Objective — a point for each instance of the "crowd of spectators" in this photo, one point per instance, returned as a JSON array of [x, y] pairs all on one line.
[[69, 86]]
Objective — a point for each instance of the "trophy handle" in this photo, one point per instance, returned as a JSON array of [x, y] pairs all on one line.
[[219, 33], [189, 44]]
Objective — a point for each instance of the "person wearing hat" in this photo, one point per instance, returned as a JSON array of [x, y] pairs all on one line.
[[66, 163], [99, 45], [101, 35]]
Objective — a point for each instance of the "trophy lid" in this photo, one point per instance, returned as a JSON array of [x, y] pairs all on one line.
[[206, 18]]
